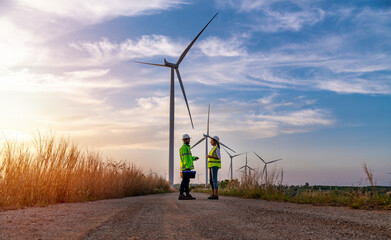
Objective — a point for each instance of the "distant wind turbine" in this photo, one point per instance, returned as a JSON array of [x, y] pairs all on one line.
[[264, 172], [246, 166], [198, 176], [206, 136], [230, 165], [174, 67], [152, 173]]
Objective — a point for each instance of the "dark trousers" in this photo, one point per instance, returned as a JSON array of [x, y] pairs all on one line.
[[185, 184]]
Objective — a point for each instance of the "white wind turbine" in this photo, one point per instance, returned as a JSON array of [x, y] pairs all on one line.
[[198, 176], [264, 172], [152, 173], [174, 67], [246, 166], [230, 170], [206, 136]]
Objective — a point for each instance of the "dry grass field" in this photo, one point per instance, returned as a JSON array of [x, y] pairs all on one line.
[[257, 187], [51, 170]]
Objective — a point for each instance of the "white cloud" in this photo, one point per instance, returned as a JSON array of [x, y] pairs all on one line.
[[244, 5], [275, 21], [93, 11], [78, 83], [307, 117], [105, 51], [267, 17], [28, 26], [355, 86], [214, 46]]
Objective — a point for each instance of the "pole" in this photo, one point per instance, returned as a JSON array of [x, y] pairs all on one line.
[[206, 150], [171, 131], [245, 170], [231, 168]]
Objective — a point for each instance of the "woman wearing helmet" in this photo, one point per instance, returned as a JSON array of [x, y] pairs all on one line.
[[214, 163]]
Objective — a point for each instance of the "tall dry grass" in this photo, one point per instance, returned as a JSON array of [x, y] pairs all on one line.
[[54, 170]]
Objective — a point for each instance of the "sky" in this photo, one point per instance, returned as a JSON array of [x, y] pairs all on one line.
[[308, 81]]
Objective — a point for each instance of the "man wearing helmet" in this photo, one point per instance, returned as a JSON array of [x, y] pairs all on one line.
[[186, 165]]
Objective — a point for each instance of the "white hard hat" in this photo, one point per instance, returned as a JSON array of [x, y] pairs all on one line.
[[216, 138], [185, 136]]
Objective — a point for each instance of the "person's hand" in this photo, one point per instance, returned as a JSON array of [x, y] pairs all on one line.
[[208, 156], [196, 158]]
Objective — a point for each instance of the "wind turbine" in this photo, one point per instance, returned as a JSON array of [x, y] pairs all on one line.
[[174, 67], [264, 172], [152, 173], [245, 169], [198, 176], [230, 166], [206, 136]]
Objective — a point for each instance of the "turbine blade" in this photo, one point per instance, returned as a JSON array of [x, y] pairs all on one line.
[[251, 168], [184, 95], [202, 139], [264, 169], [227, 152], [237, 155], [240, 168], [274, 161], [191, 44], [222, 144], [227, 147], [260, 157], [154, 64]]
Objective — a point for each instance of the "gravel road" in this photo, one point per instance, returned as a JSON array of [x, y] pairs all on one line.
[[164, 217]]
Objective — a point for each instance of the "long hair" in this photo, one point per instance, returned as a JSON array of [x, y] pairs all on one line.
[[217, 142]]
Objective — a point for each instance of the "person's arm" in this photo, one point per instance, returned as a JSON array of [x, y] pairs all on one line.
[[218, 153]]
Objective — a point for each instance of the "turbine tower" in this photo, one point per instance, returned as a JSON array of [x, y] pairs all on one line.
[[264, 171], [206, 136], [174, 67], [245, 169], [231, 157]]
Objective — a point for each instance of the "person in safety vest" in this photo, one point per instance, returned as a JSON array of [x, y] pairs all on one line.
[[186, 165], [214, 163]]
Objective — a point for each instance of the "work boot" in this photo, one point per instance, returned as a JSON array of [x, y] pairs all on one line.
[[213, 197], [190, 197], [182, 197]]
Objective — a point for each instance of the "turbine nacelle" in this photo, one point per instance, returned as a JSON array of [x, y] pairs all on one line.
[[172, 65]]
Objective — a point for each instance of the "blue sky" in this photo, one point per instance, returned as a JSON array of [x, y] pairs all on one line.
[[306, 81]]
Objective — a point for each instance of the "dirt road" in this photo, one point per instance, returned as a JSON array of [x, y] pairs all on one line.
[[164, 217]]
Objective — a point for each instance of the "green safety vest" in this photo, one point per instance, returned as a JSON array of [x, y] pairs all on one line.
[[213, 162], [186, 157]]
